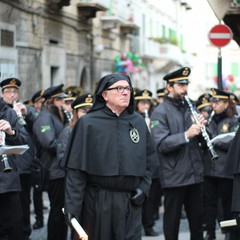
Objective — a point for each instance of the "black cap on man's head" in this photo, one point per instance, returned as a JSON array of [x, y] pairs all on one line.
[[178, 76], [10, 82], [54, 92]]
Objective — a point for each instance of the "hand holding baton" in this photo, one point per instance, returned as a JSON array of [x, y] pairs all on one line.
[[77, 227]]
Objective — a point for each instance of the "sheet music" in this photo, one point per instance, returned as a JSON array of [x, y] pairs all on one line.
[[223, 138], [17, 149]]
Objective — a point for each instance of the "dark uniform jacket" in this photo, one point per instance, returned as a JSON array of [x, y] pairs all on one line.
[[25, 160], [219, 125], [46, 130], [9, 182], [232, 164], [62, 143], [181, 162]]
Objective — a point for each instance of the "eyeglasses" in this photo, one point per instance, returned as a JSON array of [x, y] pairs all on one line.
[[121, 89], [11, 92]]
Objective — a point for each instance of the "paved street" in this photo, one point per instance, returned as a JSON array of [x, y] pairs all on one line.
[[184, 233]]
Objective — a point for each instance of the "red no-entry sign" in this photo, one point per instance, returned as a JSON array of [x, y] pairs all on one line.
[[220, 35]]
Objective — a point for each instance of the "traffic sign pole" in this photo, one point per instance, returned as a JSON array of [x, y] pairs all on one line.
[[219, 79]]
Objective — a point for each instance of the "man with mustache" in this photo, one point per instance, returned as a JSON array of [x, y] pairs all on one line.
[[176, 138]]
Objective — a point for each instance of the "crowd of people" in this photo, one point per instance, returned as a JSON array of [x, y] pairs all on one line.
[[112, 158]]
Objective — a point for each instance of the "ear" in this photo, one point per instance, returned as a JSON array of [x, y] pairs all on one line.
[[169, 87], [226, 104], [105, 95]]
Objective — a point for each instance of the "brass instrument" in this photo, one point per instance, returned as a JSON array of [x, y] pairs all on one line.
[[21, 119], [6, 165], [203, 130]]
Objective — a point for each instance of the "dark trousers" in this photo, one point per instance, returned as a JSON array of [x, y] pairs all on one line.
[[152, 203], [11, 221], [38, 204], [57, 227], [191, 197], [215, 188], [236, 194], [25, 196]]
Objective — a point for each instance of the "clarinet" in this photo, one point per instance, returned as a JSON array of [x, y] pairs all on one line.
[[68, 115], [203, 130], [211, 116], [6, 165], [147, 119], [20, 116]]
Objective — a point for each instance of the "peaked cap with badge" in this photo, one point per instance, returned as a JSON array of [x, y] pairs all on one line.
[[204, 101], [161, 92], [10, 82], [85, 100], [38, 95], [178, 76], [218, 95], [73, 92], [54, 92], [143, 95]]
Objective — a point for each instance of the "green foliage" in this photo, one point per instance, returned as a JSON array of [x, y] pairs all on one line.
[[163, 40]]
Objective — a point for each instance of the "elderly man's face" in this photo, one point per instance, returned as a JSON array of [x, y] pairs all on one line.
[[117, 96]]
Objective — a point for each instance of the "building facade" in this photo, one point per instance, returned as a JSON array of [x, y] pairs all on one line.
[[76, 42]]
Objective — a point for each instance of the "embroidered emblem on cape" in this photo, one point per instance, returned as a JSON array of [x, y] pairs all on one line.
[[134, 135], [45, 128]]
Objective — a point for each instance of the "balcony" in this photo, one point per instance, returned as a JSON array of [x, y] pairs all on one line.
[[57, 4], [171, 52], [129, 28], [88, 9], [110, 22], [148, 49]]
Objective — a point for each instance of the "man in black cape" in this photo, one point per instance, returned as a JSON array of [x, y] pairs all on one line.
[[108, 160]]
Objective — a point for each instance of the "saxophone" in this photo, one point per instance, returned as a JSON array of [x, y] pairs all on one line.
[[6, 165]]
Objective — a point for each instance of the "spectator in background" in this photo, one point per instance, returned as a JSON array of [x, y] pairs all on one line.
[[47, 129], [144, 106]]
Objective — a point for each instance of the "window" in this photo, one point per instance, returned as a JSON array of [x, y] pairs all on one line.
[[7, 38], [235, 69]]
